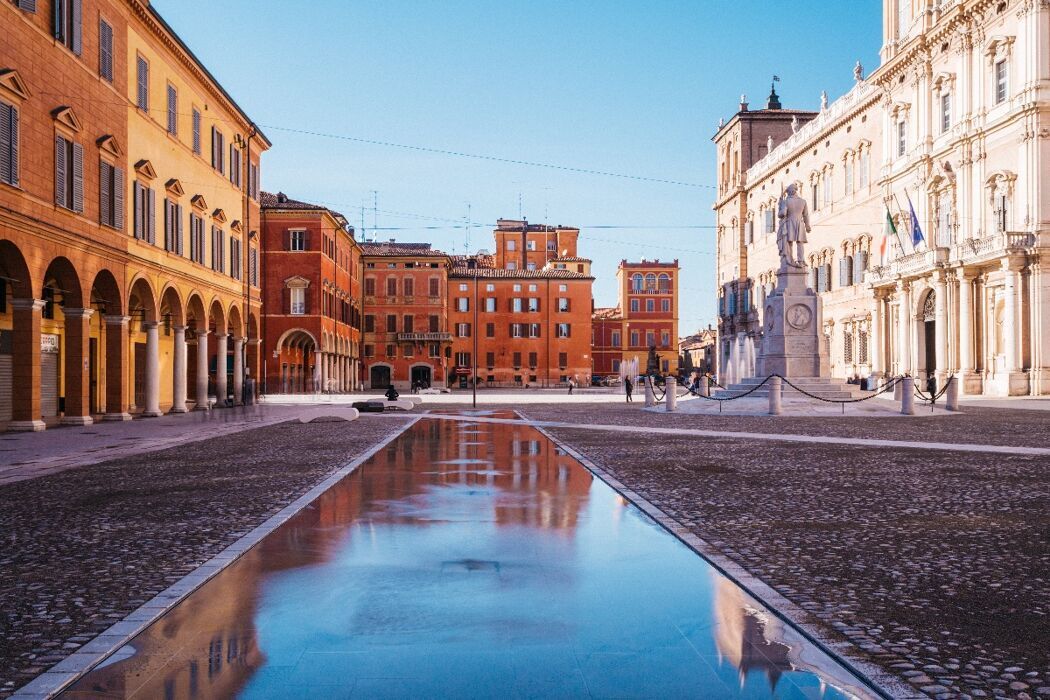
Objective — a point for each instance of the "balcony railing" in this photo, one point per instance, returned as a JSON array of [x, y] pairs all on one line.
[[968, 252], [424, 337]]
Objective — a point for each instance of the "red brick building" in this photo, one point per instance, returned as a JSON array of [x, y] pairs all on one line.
[[645, 318], [312, 267], [406, 329], [525, 311]]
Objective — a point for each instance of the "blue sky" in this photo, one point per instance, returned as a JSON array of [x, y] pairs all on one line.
[[631, 88]]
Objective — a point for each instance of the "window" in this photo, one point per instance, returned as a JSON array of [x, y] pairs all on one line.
[[173, 111], [298, 300], [145, 214], [517, 288], [813, 195], [110, 194], [516, 305], [826, 181], [847, 176], [634, 306], [142, 83], [512, 244], [534, 304], [391, 323], [435, 323], [634, 339], [370, 351], [408, 324], [490, 304], [391, 351], [410, 286], [196, 131], [902, 138], [218, 150], [490, 359], [650, 305], [1000, 81], [846, 271], [516, 330], [512, 265], [105, 50], [235, 166], [562, 330], [435, 349], [253, 180], [946, 112], [665, 305], [530, 266], [370, 286], [218, 249], [297, 240], [615, 338], [253, 267], [409, 350], [463, 304], [172, 226], [370, 323], [650, 339], [490, 330], [435, 287], [69, 174], [563, 305], [1000, 212], [865, 159], [665, 339], [516, 360], [490, 287], [196, 239], [534, 330], [235, 259], [65, 23], [391, 286], [768, 223], [8, 144], [463, 359], [847, 344], [463, 330], [615, 365]]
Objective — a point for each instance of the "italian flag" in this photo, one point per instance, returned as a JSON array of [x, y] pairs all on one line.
[[890, 228]]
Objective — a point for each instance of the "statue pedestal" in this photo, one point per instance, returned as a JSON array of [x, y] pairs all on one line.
[[793, 339]]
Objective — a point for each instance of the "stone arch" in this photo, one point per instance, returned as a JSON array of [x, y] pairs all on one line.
[[171, 308], [296, 337], [15, 270], [61, 282], [235, 323], [142, 300], [105, 294], [195, 314], [217, 317]]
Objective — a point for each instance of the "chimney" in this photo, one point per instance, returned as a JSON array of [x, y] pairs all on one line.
[[282, 198]]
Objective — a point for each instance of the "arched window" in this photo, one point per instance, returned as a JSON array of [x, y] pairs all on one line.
[[636, 282], [664, 282], [650, 281]]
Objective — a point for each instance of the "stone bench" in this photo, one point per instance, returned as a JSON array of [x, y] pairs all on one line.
[[325, 413]]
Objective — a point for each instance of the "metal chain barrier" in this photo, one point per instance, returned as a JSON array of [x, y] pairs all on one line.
[[888, 385], [933, 399]]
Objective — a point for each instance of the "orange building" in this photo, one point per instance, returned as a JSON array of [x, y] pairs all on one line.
[[406, 328], [646, 318], [525, 314], [312, 290], [123, 246]]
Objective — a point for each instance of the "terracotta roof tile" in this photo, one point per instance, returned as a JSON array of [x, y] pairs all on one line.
[[400, 249], [498, 273]]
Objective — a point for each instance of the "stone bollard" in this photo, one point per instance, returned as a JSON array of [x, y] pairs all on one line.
[[671, 397], [907, 396], [650, 395], [952, 395], [705, 386], [897, 386], [775, 388]]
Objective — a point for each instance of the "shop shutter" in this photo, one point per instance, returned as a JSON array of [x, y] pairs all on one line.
[[78, 178], [105, 185], [140, 375], [6, 387], [49, 384]]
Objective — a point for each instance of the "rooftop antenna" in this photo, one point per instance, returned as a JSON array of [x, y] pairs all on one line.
[[375, 214], [466, 244], [364, 231]]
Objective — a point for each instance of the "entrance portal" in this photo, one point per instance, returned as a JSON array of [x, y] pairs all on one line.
[[421, 376], [379, 376], [929, 327]]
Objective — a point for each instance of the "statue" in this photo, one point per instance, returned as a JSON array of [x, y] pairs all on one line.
[[794, 124], [823, 100], [858, 72], [769, 144], [652, 363], [793, 213]]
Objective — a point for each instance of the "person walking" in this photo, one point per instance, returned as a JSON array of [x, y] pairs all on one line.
[[571, 385], [628, 387]]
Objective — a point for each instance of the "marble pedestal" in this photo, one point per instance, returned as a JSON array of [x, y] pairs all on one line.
[[793, 339]]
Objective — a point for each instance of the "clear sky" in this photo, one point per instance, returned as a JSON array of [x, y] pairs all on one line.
[[622, 87]]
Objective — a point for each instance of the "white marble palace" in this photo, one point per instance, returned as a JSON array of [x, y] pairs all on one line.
[[954, 123]]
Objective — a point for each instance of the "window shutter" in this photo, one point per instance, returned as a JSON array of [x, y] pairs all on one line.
[[845, 267], [214, 143], [173, 122], [860, 266], [136, 209], [105, 50], [178, 228], [57, 10], [142, 76], [60, 170], [104, 193], [196, 132], [811, 278], [78, 178], [76, 28], [118, 198], [151, 215], [8, 143], [287, 302], [27, 5]]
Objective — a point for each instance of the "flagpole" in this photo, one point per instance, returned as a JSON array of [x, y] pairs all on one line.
[[900, 210]]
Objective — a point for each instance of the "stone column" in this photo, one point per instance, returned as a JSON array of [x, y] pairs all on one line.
[[346, 374], [116, 368], [178, 370], [875, 337], [1010, 325], [940, 299], [78, 374], [220, 369], [202, 371], [671, 394], [25, 374], [966, 326], [325, 358], [152, 409], [775, 393], [904, 327], [238, 371]]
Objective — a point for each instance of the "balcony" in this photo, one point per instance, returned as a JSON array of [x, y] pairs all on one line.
[[972, 251], [978, 250], [424, 337]]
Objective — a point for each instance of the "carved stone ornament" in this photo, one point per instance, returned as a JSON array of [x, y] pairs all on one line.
[[799, 317]]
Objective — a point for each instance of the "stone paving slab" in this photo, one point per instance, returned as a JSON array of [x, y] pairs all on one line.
[[933, 566], [88, 546]]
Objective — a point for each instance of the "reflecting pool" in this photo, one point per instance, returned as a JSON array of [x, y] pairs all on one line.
[[469, 560]]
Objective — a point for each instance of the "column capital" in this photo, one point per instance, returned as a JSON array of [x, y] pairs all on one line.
[[179, 329], [27, 304], [964, 275], [149, 325], [201, 332], [238, 339], [117, 320], [78, 313]]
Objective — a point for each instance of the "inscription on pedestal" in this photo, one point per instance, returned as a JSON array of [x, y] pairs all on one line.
[[799, 345]]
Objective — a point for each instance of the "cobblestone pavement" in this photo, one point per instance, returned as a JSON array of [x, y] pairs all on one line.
[[85, 547], [933, 565]]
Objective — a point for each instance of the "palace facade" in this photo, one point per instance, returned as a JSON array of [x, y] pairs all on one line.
[[955, 125], [128, 210]]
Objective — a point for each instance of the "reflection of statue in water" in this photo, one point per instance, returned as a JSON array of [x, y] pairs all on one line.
[[652, 365], [794, 225]]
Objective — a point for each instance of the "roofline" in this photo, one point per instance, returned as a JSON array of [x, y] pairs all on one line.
[[200, 65], [767, 113]]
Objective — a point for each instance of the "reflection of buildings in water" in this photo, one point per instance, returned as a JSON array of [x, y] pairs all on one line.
[[741, 635]]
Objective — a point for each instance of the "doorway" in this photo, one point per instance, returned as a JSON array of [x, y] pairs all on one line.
[[379, 376], [421, 376]]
